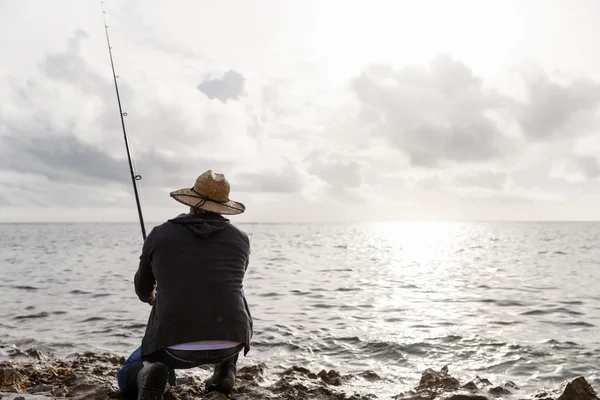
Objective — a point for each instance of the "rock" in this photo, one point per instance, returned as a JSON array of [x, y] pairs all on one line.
[[369, 376], [331, 378], [93, 376], [542, 395], [59, 392], [89, 391], [499, 391], [214, 396], [431, 379], [38, 354], [482, 381], [296, 368], [578, 389], [511, 385], [470, 386], [41, 388], [9, 378]]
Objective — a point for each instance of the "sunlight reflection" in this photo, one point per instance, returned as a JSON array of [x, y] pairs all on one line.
[[421, 273], [416, 241]]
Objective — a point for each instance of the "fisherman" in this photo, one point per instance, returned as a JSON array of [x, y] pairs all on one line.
[[191, 272]]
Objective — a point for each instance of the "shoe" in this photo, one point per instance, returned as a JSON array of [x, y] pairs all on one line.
[[152, 381], [223, 379]]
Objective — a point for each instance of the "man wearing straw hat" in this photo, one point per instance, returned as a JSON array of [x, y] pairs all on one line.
[[191, 272]]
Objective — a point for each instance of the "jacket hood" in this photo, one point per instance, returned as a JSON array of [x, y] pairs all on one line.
[[204, 226]]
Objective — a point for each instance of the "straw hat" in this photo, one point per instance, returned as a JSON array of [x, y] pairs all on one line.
[[210, 193]]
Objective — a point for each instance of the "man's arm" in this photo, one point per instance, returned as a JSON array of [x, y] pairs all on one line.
[[144, 280]]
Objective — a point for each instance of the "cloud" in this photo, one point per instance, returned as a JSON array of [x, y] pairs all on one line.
[[62, 125], [271, 180], [61, 158], [229, 87], [338, 174], [556, 110], [589, 166], [66, 158], [486, 179], [434, 136], [576, 168], [435, 115], [5, 202], [510, 196]]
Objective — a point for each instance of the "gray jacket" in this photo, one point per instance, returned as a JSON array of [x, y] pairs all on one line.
[[197, 264]]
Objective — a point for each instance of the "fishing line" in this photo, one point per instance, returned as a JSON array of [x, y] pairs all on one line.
[[134, 176]]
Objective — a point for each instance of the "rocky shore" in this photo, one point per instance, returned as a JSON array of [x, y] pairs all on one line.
[[32, 374]]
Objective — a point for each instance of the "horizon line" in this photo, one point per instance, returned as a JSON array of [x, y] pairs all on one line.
[[315, 222]]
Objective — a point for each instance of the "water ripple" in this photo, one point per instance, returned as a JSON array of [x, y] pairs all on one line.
[[512, 300]]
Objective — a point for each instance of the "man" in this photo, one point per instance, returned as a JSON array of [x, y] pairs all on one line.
[[191, 272]]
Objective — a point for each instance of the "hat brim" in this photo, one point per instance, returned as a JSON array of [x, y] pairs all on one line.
[[189, 198]]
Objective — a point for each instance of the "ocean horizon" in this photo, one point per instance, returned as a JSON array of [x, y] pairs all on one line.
[[505, 300]]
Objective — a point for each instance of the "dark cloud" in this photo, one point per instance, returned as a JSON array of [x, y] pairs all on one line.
[[229, 87], [487, 180], [429, 145], [62, 158], [557, 110], [67, 159], [434, 115], [48, 142], [286, 180]]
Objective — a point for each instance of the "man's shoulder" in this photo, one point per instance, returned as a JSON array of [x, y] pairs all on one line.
[[240, 232], [156, 230]]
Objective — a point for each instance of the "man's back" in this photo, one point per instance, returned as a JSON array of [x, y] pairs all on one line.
[[199, 263]]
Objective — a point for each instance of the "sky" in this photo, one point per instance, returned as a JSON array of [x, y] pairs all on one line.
[[315, 110]]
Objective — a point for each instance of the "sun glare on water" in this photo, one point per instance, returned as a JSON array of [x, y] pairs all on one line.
[[416, 242]]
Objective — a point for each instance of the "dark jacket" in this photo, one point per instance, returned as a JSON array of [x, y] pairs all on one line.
[[198, 264]]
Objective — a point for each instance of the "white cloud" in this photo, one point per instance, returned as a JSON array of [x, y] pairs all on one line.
[[306, 126]]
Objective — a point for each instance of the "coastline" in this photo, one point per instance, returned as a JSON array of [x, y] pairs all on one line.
[[32, 374]]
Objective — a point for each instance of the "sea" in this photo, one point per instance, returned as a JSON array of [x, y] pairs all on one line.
[[504, 300]]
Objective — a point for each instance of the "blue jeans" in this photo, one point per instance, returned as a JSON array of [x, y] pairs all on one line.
[[177, 359]]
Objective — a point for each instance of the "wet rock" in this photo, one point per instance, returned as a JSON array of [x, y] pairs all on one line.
[[59, 392], [331, 378], [431, 380], [296, 368], [441, 385], [41, 388], [214, 396], [93, 376], [578, 389], [253, 373], [482, 382], [511, 386], [369, 376], [470, 386], [9, 378], [542, 395]]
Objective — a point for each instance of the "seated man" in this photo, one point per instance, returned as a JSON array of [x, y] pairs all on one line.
[[191, 272]]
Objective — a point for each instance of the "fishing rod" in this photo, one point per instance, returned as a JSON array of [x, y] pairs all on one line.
[[134, 176]]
